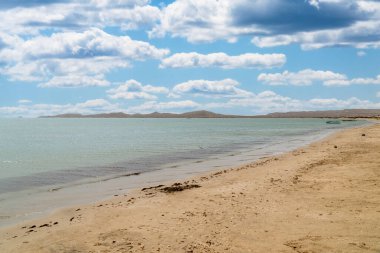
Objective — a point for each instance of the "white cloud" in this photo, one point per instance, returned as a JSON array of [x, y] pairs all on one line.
[[95, 103], [7, 40], [378, 94], [78, 15], [75, 81], [133, 89], [200, 21], [263, 102], [222, 60], [351, 103], [273, 41], [375, 81], [328, 23], [216, 89], [80, 57], [302, 78], [354, 81], [171, 106], [90, 43], [269, 101], [36, 110], [130, 19], [30, 21], [42, 70], [24, 101], [155, 89], [360, 35], [119, 3], [309, 76]]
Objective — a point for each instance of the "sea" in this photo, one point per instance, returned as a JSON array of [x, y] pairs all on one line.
[[51, 163]]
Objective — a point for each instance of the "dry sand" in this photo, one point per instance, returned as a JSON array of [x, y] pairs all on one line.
[[321, 198]]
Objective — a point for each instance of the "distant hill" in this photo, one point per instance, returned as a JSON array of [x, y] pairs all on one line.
[[195, 114], [349, 113]]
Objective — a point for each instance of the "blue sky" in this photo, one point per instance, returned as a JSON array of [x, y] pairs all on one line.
[[139, 56]]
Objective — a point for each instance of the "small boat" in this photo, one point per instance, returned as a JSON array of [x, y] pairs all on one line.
[[333, 122]]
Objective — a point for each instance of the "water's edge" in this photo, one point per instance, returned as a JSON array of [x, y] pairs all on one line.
[[47, 200]]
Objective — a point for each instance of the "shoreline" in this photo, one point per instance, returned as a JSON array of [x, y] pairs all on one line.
[[134, 217], [54, 198]]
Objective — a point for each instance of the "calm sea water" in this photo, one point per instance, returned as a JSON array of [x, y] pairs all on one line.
[[39, 155]]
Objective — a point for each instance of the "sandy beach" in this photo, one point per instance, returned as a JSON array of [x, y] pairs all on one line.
[[321, 198]]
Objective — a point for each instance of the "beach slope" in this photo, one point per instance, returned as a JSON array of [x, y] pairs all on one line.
[[321, 198]]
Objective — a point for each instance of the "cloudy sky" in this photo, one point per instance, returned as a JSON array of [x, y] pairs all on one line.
[[141, 56]]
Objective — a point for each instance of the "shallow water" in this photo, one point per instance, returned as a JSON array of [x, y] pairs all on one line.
[[50, 163]]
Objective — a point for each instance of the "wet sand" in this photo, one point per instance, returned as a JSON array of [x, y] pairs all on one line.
[[321, 198]]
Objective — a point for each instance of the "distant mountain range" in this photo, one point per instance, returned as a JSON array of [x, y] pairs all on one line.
[[195, 114], [349, 113]]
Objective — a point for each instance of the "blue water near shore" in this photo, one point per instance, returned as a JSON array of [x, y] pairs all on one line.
[[39, 155]]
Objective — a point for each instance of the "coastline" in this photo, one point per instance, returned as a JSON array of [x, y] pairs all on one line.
[[22, 206], [316, 198]]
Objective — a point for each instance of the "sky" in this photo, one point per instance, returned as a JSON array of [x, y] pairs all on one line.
[[245, 57]]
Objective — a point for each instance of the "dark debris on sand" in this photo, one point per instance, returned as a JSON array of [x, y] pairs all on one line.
[[178, 187], [153, 187]]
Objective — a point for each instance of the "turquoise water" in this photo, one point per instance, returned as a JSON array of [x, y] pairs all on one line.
[[33, 146], [38, 155]]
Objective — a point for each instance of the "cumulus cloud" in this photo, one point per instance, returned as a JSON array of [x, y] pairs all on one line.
[[264, 102], [44, 69], [339, 104], [75, 81], [30, 17], [119, 3], [363, 34], [199, 21], [88, 44], [75, 51], [222, 60], [27, 109], [312, 23], [171, 106], [216, 89], [129, 19], [36, 110], [302, 78], [354, 81], [133, 89], [73, 58], [308, 76], [289, 16], [351, 103], [269, 101], [30, 21]]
